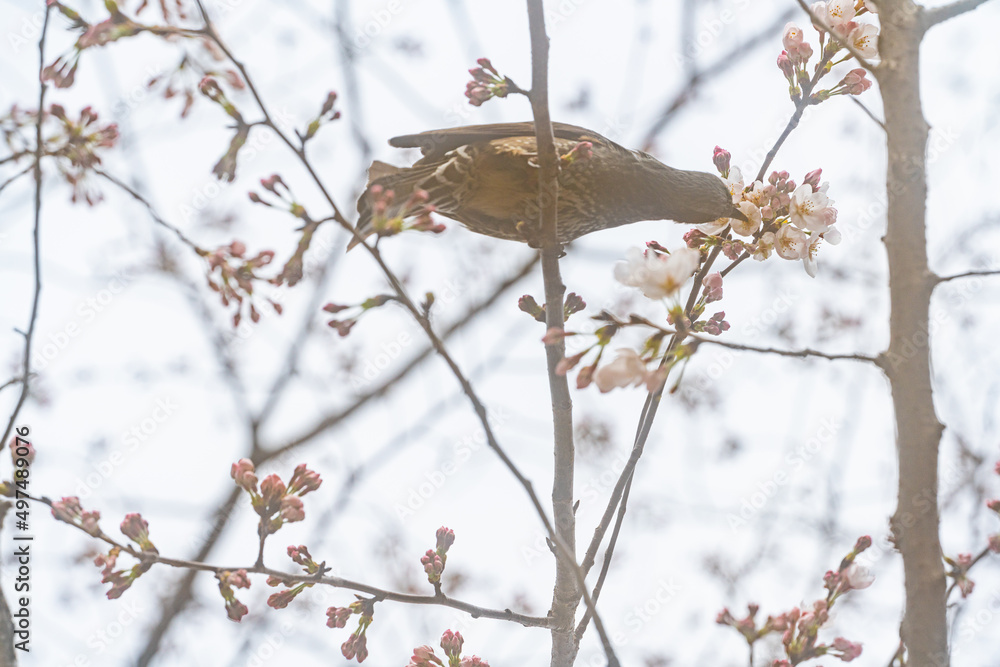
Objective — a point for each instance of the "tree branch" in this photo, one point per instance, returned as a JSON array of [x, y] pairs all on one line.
[[800, 354], [934, 15], [968, 274], [380, 594], [36, 234]]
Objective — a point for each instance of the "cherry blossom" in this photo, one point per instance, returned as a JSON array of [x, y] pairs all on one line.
[[864, 39], [751, 224], [765, 245], [657, 276], [839, 13], [810, 210], [628, 369]]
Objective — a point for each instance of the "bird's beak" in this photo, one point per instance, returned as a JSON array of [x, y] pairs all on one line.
[[738, 214]]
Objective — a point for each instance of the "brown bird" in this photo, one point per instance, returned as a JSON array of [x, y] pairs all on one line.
[[486, 177]]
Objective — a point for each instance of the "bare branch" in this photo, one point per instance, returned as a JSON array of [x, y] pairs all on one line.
[[36, 234], [149, 207], [800, 354], [868, 112], [935, 15], [968, 274], [16, 176]]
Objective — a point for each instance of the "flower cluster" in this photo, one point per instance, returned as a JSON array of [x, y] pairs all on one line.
[[435, 559], [235, 610], [356, 645], [781, 216], [451, 644], [281, 195], [837, 16], [486, 83], [327, 114], [390, 218], [301, 556], [345, 323], [136, 529], [275, 503], [800, 628], [959, 567], [70, 511], [236, 276], [74, 142]]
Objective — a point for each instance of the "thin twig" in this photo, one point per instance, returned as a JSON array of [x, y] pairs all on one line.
[[608, 554], [868, 112], [335, 418], [36, 233], [968, 274], [800, 354], [16, 176], [149, 207]]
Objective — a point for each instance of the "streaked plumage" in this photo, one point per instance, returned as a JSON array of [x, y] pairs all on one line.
[[486, 177]]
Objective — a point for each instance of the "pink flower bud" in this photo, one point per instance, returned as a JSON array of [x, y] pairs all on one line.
[[272, 489], [848, 650], [337, 617], [135, 528], [292, 509], [721, 157], [451, 643], [445, 538], [68, 509], [792, 37], [856, 82], [304, 480], [785, 65], [812, 178], [243, 473], [281, 599]]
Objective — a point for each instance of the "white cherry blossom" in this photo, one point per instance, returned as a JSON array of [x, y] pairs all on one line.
[[812, 210], [655, 275], [864, 39], [791, 242]]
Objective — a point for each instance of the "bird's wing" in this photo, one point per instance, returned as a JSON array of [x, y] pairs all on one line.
[[436, 143]]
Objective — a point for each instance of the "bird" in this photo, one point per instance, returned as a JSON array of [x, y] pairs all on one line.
[[486, 177]]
